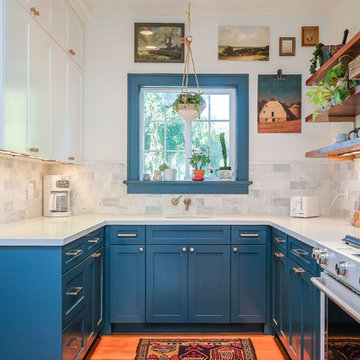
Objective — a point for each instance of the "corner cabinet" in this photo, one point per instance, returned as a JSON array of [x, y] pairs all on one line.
[[42, 83]]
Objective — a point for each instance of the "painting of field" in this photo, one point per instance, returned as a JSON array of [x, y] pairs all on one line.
[[293, 126], [246, 43]]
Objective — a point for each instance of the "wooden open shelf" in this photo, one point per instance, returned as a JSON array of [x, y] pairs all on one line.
[[346, 112], [334, 151], [352, 48]]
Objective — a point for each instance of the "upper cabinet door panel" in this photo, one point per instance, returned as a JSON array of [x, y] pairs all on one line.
[[76, 38], [60, 22], [41, 11], [15, 71]]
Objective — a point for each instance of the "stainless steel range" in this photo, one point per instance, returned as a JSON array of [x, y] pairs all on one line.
[[340, 300]]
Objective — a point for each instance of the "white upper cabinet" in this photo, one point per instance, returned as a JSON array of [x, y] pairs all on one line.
[[41, 12], [76, 38], [60, 22]]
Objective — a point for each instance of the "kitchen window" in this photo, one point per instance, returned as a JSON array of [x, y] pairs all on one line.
[[156, 134]]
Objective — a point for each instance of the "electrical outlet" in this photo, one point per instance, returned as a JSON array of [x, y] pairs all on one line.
[[31, 191]]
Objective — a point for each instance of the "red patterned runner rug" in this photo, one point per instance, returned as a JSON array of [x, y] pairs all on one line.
[[195, 349]]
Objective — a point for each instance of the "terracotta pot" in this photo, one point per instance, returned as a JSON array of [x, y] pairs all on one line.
[[199, 174]]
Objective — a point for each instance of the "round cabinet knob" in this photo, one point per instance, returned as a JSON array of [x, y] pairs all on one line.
[[342, 268], [192, 250], [323, 258], [235, 250], [183, 250], [141, 250]]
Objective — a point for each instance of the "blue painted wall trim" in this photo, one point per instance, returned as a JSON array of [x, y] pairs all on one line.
[[240, 82]]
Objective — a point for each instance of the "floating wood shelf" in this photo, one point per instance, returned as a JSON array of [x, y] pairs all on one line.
[[352, 48], [334, 151], [346, 112]]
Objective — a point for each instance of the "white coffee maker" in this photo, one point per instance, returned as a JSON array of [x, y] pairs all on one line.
[[57, 195]]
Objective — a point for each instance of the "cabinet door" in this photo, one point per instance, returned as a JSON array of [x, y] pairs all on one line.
[[14, 126], [166, 284], [279, 312], [127, 284], [76, 38], [41, 11], [39, 92], [248, 293], [209, 284], [60, 22], [94, 292], [75, 113]]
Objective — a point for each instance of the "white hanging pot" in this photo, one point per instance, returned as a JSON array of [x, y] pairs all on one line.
[[189, 112]]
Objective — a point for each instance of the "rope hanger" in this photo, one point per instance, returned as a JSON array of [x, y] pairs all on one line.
[[187, 43]]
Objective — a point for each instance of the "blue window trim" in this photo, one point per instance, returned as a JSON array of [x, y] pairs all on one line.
[[241, 186]]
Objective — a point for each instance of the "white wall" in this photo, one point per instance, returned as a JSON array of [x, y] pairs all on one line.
[[109, 57]]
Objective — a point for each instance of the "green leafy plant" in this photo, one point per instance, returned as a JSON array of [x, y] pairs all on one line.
[[334, 89], [223, 149], [314, 60], [191, 97], [200, 158], [163, 167]]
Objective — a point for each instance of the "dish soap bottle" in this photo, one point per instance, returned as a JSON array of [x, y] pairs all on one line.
[[357, 216]]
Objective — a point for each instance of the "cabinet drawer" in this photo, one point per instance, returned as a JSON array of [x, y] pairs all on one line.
[[279, 240], [73, 291], [73, 254], [249, 235], [73, 340], [94, 241], [188, 235], [127, 235], [301, 254]]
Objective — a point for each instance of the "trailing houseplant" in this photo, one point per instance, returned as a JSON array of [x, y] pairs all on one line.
[[199, 159], [317, 55], [189, 105]]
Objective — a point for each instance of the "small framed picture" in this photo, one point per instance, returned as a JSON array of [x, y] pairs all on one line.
[[309, 35], [159, 42], [287, 46]]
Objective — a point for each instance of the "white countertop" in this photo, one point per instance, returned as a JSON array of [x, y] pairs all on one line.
[[320, 232]]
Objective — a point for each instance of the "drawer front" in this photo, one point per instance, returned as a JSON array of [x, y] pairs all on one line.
[[188, 235], [94, 241], [301, 254], [248, 235], [127, 235], [73, 340], [279, 240], [73, 291], [73, 254]]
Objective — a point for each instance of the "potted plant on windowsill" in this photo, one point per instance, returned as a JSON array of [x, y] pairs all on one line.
[[168, 173], [189, 105], [225, 171], [199, 159]]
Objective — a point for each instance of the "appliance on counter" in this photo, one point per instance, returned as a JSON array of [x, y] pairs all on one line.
[[304, 206], [340, 300], [57, 195]]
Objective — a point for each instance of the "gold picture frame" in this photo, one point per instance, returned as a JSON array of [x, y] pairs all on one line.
[[309, 35], [287, 46]]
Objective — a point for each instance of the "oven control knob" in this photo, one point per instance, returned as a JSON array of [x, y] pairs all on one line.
[[342, 268], [323, 258], [316, 253]]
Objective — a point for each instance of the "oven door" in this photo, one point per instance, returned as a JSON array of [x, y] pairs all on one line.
[[340, 328]]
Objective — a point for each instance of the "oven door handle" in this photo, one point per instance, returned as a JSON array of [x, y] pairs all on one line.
[[319, 283]]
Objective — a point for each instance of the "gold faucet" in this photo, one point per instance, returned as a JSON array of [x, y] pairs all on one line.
[[175, 201], [187, 203]]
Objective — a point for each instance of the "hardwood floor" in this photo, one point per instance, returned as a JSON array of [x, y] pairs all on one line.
[[123, 347]]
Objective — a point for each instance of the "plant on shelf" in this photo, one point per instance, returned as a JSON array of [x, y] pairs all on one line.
[[317, 55], [333, 90], [199, 159], [169, 174], [163, 167], [189, 101], [224, 152]]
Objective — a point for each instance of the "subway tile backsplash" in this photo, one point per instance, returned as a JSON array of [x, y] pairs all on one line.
[[99, 188]]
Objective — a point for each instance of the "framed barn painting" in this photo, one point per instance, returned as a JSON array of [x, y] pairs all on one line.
[[279, 104], [246, 43], [159, 43]]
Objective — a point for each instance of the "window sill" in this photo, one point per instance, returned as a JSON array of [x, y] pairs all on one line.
[[187, 187]]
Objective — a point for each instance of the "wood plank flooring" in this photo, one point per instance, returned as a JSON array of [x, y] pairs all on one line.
[[123, 347]]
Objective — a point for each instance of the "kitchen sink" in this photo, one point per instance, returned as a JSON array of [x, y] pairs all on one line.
[[186, 217]]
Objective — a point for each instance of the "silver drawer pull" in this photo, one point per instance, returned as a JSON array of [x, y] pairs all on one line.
[[126, 235], [249, 235], [298, 271], [279, 255], [279, 240], [300, 252], [74, 252], [74, 293], [68, 345], [95, 240], [96, 255]]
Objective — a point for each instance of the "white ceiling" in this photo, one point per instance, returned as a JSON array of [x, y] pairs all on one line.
[[234, 7]]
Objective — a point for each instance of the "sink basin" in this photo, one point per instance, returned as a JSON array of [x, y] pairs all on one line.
[[186, 217]]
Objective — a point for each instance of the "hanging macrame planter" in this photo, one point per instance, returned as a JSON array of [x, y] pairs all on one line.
[[189, 104]]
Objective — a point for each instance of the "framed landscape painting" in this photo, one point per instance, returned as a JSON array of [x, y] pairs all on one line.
[[159, 43], [279, 104], [247, 43]]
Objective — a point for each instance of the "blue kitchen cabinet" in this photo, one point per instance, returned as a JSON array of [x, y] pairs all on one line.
[[248, 283], [209, 284], [127, 283], [166, 283]]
